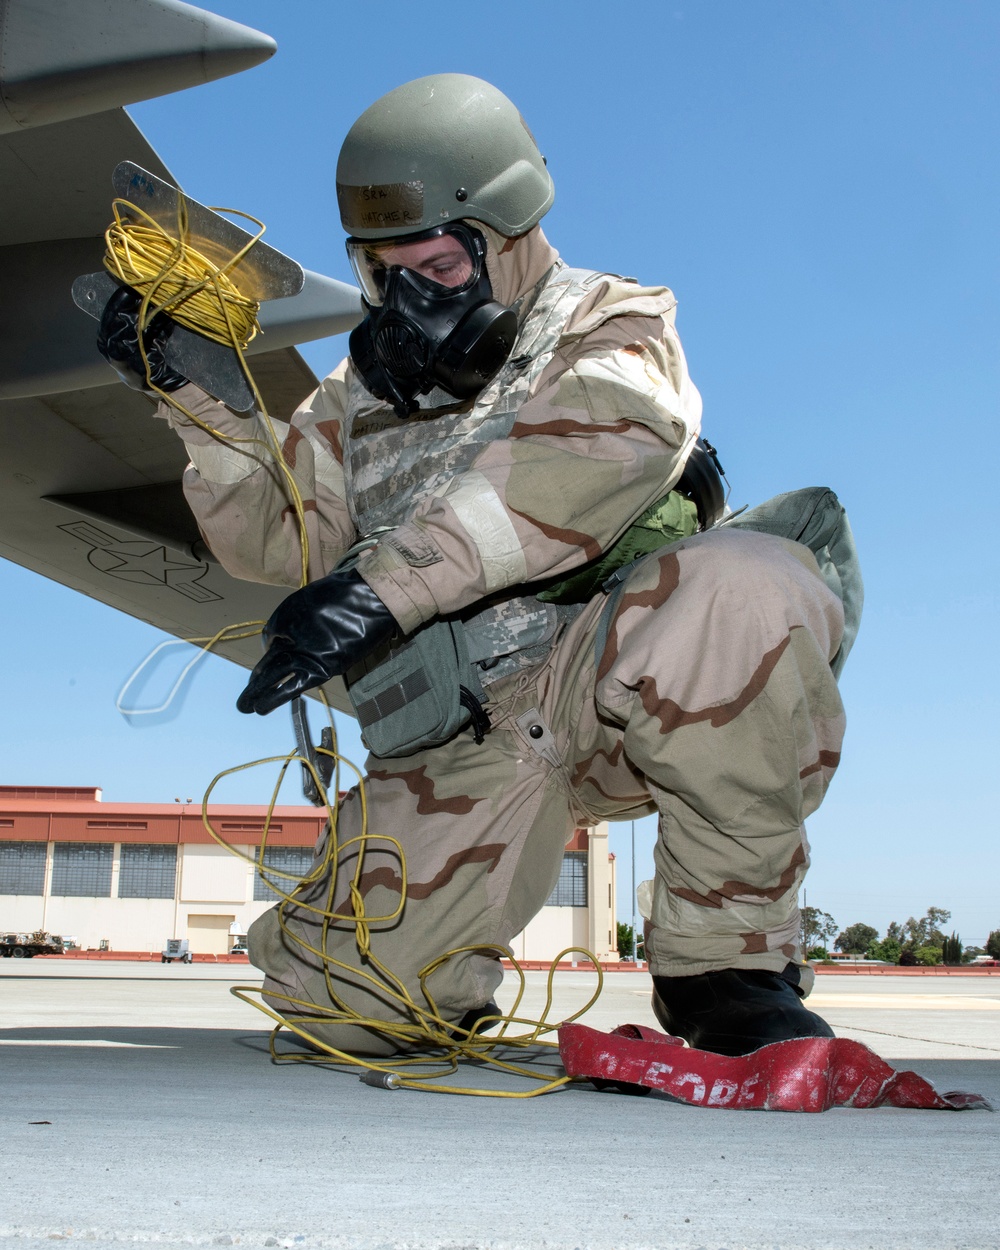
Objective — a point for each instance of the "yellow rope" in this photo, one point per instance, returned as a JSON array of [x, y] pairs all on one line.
[[426, 1028], [177, 278], [173, 277]]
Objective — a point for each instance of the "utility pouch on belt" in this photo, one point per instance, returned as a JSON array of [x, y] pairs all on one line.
[[416, 693], [814, 517]]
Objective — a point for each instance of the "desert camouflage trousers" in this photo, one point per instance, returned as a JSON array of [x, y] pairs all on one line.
[[712, 702]]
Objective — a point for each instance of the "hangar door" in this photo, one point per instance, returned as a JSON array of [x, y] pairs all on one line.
[[209, 935]]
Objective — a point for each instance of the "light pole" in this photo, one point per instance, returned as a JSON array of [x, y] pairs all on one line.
[[802, 924], [635, 946]]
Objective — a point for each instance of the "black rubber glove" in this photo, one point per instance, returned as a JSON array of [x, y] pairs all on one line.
[[118, 343], [318, 632]]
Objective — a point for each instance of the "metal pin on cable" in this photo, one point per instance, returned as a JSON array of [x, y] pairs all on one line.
[[380, 1080]]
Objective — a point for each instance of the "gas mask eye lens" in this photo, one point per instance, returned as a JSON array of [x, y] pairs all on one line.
[[450, 257], [369, 270], [445, 260]]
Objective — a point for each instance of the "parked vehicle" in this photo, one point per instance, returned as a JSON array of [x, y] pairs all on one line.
[[28, 945], [177, 950]]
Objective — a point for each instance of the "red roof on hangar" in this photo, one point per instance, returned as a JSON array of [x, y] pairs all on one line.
[[78, 814]]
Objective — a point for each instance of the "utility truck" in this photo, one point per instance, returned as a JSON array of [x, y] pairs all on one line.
[[27, 945]]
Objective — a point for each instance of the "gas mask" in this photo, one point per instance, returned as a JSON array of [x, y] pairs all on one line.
[[420, 333]]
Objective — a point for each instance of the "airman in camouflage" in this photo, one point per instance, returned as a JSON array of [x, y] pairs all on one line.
[[702, 690]]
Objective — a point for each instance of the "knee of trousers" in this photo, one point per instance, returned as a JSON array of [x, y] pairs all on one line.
[[717, 663], [755, 575], [717, 604]]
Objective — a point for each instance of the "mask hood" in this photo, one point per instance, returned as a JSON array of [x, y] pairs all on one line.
[[516, 265]]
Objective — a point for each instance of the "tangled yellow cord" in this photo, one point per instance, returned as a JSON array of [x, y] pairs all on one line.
[[175, 278], [172, 274], [426, 1029]]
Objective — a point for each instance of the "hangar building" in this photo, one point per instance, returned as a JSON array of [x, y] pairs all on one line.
[[127, 876]]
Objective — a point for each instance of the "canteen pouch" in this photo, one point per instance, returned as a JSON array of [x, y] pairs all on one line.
[[417, 693]]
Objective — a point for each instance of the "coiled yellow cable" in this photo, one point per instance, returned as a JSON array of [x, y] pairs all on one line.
[[173, 277], [177, 278]]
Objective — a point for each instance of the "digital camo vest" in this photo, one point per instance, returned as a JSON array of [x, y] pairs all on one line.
[[392, 464]]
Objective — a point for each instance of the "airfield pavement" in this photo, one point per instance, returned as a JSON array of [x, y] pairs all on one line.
[[140, 1108]]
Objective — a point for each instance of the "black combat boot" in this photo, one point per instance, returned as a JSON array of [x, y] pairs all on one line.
[[473, 1016], [735, 1010]]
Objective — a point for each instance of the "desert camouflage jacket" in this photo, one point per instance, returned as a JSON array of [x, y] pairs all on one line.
[[481, 501]]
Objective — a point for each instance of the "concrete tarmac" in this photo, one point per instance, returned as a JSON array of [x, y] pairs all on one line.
[[139, 1106]]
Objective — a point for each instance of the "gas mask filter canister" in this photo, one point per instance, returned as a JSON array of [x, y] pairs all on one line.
[[419, 333]]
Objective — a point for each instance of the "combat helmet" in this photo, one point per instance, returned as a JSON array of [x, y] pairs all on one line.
[[443, 148]]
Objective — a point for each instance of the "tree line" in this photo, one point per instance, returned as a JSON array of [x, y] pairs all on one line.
[[916, 941]]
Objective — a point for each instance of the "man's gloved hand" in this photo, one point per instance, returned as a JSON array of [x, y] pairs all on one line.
[[118, 343], [318, 632]]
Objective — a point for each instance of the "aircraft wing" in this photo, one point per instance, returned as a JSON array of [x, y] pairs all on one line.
[[93, 497]]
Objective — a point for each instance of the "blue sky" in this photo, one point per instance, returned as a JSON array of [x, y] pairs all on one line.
[[818, 184]]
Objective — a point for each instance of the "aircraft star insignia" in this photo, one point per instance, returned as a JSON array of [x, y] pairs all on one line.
[[142, 562]]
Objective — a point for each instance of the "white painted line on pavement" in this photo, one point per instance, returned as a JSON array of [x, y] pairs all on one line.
[[908, 1037], [43, 1041]]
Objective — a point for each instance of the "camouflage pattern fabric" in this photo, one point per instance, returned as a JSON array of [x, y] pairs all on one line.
[[508, 492], [391, 465], [712, 703]]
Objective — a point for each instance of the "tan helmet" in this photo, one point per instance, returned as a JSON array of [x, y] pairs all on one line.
[[439, 149]]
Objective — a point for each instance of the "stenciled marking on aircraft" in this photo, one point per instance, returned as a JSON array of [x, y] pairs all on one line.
[[142, 562], [142, 184]]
